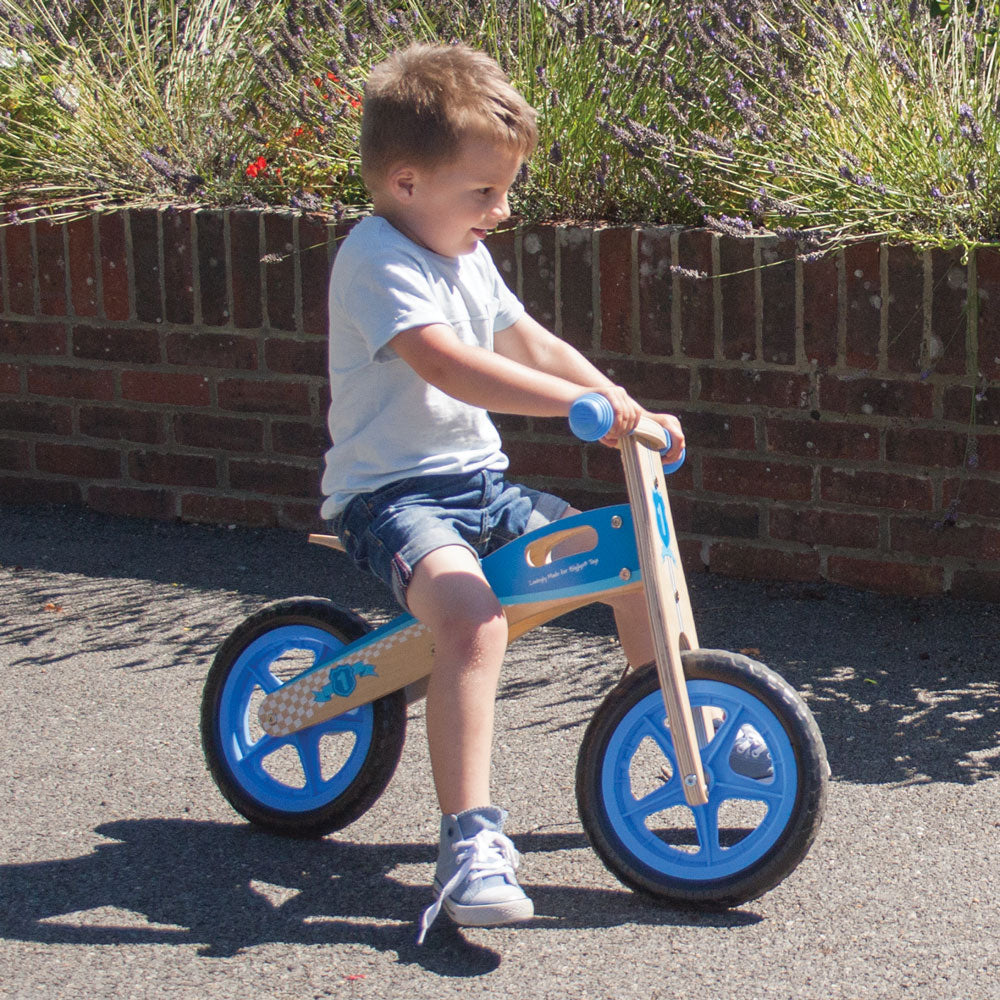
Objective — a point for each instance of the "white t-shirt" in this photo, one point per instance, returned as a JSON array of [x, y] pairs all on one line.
[[386, 422]]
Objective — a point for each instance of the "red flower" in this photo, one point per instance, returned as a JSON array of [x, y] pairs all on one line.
[[257, 167]]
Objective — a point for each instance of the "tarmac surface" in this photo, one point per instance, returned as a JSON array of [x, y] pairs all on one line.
[[124, 873]]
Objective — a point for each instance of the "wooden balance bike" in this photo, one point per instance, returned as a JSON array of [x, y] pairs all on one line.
[[304, 707]]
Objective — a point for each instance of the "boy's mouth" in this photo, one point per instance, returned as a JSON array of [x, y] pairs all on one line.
[[480, 234]]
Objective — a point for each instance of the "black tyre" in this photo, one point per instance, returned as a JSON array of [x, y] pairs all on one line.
[[318, 779], [753, 831]]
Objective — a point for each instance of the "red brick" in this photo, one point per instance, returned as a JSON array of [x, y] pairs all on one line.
[[974, 497], [301, 517], [82, 266], [279, 270], [615, 280], [212, 350], [249, 396], [656, 283], [655, 384], [538, 273], [78, 461], [20, 269], [23, 489], [737, 283], [949, 314], [314, 266], [923, 447], [697, 295], [824, 528], [275, 479], [32, 339], [988, 328], [988, 452], [819, 310], [961, 404], [14, 456], [744, 387], [204, 430], [605, 465], [576, 286], [863, 302], [144, 224], [244, 229], [502, 245], [906, 308], [36, 418], [878, 490], [296, 357], [121, 424], [140, 347], [751, 562], [10, 379], [701, 516], [777, 296], [131, 502], [885, 576], [178, 266], [876, 397], [710, 429], [976, 585], [299, 438], [925, 536], [537, 458], [755, 478], [822, 439], [51, 255], [210, 509], [212, 276], [114, 265], [166, 387], [172, 469], [70, 383]]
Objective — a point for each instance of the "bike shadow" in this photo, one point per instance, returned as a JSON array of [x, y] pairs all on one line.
[[226, 888]]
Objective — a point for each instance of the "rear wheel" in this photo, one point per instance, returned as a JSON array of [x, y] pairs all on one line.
[[318, 779], [753, 831]]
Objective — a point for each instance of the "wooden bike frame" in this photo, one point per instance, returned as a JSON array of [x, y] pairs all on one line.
[[608, 551]]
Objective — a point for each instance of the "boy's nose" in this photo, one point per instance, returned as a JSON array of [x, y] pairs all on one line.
[[502, 209]]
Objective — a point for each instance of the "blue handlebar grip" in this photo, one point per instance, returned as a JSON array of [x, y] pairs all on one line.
[[670, 467], [591, 417]]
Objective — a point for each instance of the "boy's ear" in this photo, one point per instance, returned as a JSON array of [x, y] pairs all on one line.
[[401, 182]]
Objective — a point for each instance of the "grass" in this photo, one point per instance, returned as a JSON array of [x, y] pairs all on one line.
[[827, 122]]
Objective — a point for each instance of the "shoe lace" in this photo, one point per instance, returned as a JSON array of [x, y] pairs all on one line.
[[487, 853]]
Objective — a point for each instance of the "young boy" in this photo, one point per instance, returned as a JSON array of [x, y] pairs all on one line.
[[425, 338]]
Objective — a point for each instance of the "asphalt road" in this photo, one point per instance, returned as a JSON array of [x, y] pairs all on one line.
[[123, 872]]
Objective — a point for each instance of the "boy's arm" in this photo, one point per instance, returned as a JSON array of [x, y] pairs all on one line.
[[528, 342], [525, 374]]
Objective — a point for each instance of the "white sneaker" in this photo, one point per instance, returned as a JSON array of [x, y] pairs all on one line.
[[475, 880]]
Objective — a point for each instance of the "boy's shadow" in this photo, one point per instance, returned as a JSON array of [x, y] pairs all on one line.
[[227, 888]]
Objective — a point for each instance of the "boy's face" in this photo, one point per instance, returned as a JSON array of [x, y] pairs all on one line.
[[451, 207]]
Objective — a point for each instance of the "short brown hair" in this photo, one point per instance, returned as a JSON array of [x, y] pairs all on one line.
[[421, 102]]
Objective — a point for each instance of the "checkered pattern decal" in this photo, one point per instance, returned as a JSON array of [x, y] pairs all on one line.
[[293, 706]]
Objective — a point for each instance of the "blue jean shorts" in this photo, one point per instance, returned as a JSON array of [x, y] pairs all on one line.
[[389, 531]]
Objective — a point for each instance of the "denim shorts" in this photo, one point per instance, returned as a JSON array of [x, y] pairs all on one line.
[[387, 532]]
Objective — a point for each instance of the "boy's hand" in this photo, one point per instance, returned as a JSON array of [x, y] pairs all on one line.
[[673, 427], [626, 410]]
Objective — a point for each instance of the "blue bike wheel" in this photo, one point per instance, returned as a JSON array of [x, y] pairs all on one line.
[[758, 823], [317, 779]]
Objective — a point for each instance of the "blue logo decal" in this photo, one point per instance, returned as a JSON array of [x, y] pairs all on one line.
[[661, 519], [343, 680]]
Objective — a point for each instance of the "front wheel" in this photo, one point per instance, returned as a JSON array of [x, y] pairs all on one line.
[[318, 779], [758, 823]]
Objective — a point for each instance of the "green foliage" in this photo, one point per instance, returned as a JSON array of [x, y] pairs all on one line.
[[830, 121]]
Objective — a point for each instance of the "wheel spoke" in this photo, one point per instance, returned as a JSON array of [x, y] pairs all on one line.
[[306, 744], [735, 786], [671, 794], [706, 822], [262, 748]]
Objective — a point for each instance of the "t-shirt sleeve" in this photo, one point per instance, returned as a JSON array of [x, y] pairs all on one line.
[[510, 309], [385, 297]]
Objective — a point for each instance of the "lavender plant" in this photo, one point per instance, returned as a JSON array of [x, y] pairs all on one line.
[[830, 121]]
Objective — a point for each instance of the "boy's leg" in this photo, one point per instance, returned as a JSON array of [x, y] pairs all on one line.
[[449, 594], [475, 877]]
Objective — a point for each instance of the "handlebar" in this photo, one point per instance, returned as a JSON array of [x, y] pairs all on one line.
[[591, 417]]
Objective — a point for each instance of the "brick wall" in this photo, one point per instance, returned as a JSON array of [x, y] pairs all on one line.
[[843, 414]]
